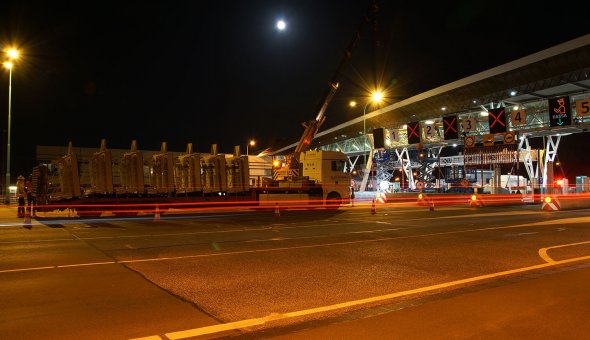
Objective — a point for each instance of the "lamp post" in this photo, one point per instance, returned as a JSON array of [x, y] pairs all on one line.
[[365, 134], [12, 55], [250, 143], [376, 97]]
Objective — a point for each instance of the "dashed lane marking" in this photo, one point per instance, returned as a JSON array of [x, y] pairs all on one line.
[[56, 267], [282, 248]]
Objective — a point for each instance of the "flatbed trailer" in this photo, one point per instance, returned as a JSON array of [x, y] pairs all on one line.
[[188, 182]]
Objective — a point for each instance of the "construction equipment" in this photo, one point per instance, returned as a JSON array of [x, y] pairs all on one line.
[[291, 167], [187, 180]]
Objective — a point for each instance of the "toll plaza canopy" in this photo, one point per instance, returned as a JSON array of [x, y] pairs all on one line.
[[526, 83]]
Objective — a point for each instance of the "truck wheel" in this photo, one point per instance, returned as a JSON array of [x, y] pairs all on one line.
[[333, 201]]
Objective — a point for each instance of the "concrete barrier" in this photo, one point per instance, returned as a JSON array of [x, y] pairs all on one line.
[[487, 200], [441, 199], [566, 202]]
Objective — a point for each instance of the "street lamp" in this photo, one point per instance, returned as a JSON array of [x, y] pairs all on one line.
[[12, 55], [250, 143], [376, 97]]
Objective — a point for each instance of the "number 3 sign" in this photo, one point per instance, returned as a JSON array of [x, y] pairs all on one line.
[[469, 124]]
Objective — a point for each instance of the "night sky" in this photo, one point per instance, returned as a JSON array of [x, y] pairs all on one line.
[[220, 72]]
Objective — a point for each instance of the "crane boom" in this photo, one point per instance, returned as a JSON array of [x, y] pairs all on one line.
[[312, 126]]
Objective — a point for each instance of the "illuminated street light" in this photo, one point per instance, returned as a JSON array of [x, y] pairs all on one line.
[[12, 55], [250, 143], [376, 97]]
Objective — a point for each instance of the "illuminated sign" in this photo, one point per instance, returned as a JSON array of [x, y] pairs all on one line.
[[469, 124], [509, 137], [488, 140], [429, 130], [414, 133], [583, 108], [450, 127], [518, 117], [497, 120], [559, 111], [394, 137]]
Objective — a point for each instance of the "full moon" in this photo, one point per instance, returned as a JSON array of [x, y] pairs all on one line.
[[281, 25]]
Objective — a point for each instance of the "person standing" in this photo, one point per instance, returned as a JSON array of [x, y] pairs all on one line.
[[30, 197], [20, 194]]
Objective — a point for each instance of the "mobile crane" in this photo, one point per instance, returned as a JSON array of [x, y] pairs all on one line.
[[292, 166]]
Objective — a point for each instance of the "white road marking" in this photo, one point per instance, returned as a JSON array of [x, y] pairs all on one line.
[[289, 248], [265, 228], [277, 316]]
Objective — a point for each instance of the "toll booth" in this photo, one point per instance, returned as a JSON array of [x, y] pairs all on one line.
[[582, 184]]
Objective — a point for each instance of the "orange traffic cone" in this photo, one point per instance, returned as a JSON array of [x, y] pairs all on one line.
[[373, 208], [277, 211], [157, 214]]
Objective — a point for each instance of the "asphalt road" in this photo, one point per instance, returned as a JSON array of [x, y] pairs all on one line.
[[406, 271]]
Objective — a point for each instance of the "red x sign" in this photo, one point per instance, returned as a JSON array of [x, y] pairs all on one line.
[[451, 131], [497, 120], [413, 134], [450, 125]]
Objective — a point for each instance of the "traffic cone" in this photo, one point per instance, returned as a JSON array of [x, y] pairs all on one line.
[[277, 211], [373, 208], [27, 220], [157, 214]]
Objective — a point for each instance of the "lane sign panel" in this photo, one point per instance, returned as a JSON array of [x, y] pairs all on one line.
[[469, 124], [497, 120], [518, 117], [413, 133], [509, 137], [450, 128], [429, 130], [469, 141], [559, 111], [394, 137], [583, 108]]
